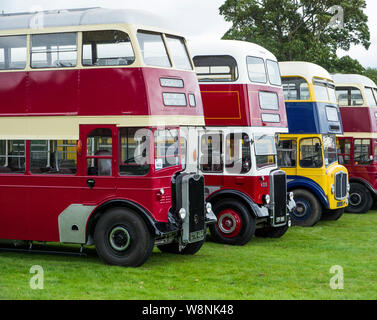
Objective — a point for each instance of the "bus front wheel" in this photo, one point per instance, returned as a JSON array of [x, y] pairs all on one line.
[[360, 200], [308, 209], [122, 238], [235, 225]]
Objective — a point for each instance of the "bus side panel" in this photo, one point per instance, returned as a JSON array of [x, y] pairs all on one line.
[[13, 92], [52, 92], [49, 197], [114, 91], [140, 191], [14, 204], [358, 119]]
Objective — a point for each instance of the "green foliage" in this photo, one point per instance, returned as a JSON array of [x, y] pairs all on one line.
[[372, 74], [299, 29]]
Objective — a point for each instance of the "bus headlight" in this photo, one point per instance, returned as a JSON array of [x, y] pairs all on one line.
[[348, 187], [291, 196], [209, 207], [332, 189], [182, 213], [266, 199]]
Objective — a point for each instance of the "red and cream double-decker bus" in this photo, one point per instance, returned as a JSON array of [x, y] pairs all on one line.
[[244, 109], [357, 96], [92, 101]]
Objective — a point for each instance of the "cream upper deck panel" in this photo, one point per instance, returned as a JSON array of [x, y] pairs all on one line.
[[306, 70], [239, 50]]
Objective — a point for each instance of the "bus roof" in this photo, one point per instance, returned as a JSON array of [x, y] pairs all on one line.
[[79, 17], [353, 79], [235, 48], [307, 70]]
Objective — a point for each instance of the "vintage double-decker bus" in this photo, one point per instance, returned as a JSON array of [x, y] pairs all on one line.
[[92, 101], [357, 97], [244, 109], [308, 154]]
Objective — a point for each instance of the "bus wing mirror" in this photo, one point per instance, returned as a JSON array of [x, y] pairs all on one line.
[[79, 147]]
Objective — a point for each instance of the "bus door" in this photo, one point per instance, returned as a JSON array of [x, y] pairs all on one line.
[[211, 157], [287, 156], [98, 154]]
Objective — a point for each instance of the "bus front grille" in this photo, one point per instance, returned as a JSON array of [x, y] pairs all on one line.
[[341, 185], [279, 196]]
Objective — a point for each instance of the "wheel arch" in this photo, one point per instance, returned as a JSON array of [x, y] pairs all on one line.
[[364, 183], [103, 208], [310, 186], [252, 207]]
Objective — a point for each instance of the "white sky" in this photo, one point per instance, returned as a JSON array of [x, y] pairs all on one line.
[[193, 18]]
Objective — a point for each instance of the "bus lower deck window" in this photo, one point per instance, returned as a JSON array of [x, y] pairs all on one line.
[[12, 156], [53, 157]]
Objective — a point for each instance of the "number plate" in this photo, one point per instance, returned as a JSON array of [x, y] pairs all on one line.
[[196, 236], [339, 204]]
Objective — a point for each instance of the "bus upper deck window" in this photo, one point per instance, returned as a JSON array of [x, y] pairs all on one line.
[[179, 53], [216, 68], [55, 50], [153, 49], [331, 88], [274, 72], [295, 88], [13, 52], [256, 69], [320, 89], [342, 96], [107, 48], [370, 97], [356, 97]]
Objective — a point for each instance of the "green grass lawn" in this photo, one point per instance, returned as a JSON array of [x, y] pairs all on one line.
[[296, 266]]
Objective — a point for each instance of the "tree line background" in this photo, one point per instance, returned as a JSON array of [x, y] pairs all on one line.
[[299, 30]]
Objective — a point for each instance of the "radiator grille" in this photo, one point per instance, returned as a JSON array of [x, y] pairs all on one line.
[[279, 196], [197, 210], [341, 185]]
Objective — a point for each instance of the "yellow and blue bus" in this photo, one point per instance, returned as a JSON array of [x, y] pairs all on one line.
[[308, 154]]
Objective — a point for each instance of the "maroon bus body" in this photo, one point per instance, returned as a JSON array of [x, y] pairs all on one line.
[[34, 201]]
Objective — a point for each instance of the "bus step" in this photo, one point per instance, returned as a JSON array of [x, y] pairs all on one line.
[[43, 249]]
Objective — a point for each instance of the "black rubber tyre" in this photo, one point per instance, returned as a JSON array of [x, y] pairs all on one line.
[[308, 209], [235, 225], [190, 249], [360, 200], [270, 232], [332, 215], [122, 238]]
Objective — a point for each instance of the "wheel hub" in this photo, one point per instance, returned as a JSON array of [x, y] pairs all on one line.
[[119, 238], [301, 209], [355, 199], [229, 223]]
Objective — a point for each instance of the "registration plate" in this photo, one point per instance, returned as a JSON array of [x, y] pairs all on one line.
[[197, 236], [339, 204]]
